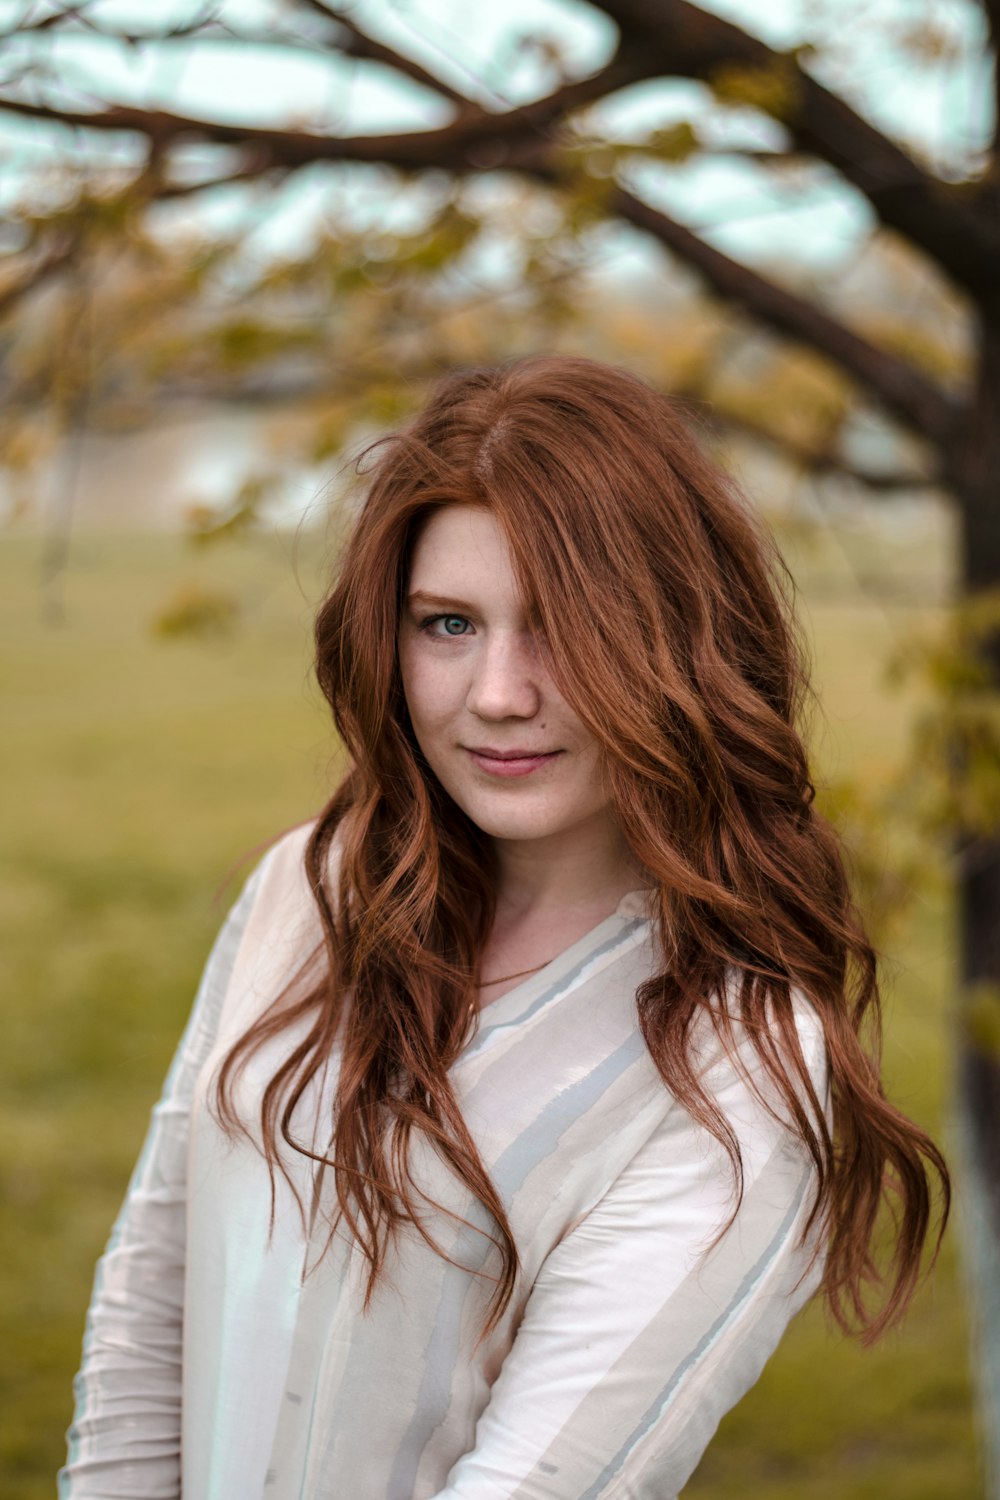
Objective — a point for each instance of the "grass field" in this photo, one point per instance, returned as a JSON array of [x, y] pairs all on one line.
[[139, 770]]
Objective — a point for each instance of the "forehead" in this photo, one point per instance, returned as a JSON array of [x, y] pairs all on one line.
[[462, 544]]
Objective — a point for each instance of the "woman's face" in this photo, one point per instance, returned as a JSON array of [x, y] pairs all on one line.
[[487, 715]]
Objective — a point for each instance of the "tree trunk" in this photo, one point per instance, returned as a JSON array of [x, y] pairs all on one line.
[[976, 468]]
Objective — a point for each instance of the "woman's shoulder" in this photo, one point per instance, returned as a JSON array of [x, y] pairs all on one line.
[[281, 903], [283, 863], [280, 928], [279, 873]]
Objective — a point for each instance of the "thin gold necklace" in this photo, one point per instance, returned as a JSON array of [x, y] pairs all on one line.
[[503, 978]]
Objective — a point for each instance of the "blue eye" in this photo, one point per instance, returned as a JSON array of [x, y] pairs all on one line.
[[453, 625]]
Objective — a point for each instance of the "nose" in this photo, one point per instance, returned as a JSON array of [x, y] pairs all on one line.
[[506, 678]]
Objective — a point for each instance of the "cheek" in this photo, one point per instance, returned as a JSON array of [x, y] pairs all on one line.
[[427, 689], [595, 785]]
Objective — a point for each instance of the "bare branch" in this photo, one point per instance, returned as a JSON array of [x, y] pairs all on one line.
[[992, 9], [908, 394], [522, 139], [875, 482], [76, 15], [954, 227], [675, 38], [957, 228], [252, 172], [163, 128], [208, 33], [476, 140], [460, 146], [50, 22], [763, 157], [360, 44], [816, 460], [43, 268]]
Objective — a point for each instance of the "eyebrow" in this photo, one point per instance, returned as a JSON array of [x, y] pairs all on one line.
[[440, 601]]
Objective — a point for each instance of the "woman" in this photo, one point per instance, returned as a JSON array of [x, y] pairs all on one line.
[[523, 1101]]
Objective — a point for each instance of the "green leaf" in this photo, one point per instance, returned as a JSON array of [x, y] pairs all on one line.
[[774, 87]]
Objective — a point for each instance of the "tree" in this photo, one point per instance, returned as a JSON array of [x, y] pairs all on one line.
[[946, 406]]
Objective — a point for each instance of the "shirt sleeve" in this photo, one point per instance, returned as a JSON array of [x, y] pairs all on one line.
[[124, 1439], [643, 1326]]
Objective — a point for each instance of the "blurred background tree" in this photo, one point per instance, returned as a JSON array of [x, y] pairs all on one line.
[[315, 209]]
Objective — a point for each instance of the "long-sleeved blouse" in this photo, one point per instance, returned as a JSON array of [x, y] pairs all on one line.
[[226, 1360]]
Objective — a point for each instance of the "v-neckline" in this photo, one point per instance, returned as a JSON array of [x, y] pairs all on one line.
[[634, 904]]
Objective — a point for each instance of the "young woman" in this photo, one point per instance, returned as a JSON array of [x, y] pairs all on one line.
[[524, 1098]]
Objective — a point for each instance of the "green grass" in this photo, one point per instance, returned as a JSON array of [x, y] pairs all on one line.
[[141, 770]]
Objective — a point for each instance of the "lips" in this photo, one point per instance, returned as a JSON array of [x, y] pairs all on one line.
[[491, 754], [517, 762]]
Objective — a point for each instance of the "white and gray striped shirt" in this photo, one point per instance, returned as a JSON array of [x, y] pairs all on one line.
[[214, 1368]]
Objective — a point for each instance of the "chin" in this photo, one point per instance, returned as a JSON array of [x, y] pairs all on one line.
[[514, 829], [516, 823]]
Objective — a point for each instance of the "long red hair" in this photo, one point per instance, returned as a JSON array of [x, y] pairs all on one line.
[[667, 617]]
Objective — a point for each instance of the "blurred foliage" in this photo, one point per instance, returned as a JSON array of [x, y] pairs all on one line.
[[951, 781], [353, 323], [196, 610], [773, 88], [945, 790], [884, 888]]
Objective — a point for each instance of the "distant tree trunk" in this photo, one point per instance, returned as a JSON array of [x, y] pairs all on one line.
[[976, 464]]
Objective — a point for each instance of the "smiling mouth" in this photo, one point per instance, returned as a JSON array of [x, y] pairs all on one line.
[[510, 762]]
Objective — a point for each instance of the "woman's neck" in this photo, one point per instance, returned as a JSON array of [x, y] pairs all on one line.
[[551, 892], [585, 867]]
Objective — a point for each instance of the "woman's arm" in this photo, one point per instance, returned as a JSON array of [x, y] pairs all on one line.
[[637, 1338], [125, 1436]]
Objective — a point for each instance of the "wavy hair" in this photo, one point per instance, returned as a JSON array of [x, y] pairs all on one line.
[[667, 616]]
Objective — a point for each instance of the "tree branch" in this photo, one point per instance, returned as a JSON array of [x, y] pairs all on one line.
[[357, 44], [50, 22], [522, 139], [46, 266], [292, 148], [210, 33], [460, 147], [361, 45], [64, 20], [955, 228], [815, 460], [992, 9], [474, 141], [903, 390], [252, 172]]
